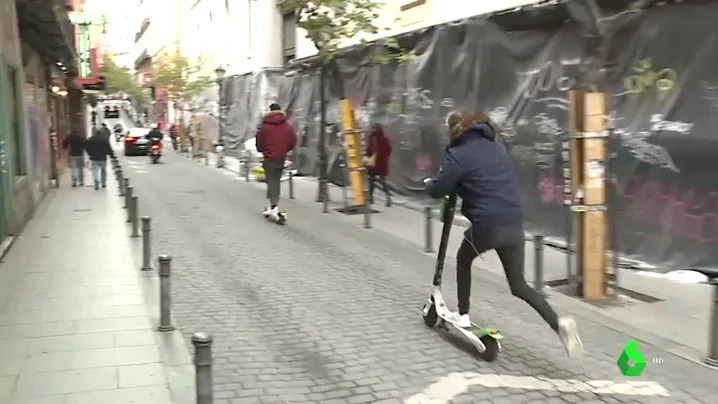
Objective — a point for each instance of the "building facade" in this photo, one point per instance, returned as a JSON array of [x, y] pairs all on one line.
[[242, 35], [37, 64]]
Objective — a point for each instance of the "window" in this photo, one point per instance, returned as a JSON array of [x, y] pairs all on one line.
[[289, 36], [17, 139]]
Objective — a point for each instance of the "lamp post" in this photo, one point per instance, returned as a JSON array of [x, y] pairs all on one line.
[[220, 72]]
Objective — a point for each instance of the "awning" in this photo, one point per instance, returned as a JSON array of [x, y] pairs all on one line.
[[44, 24]]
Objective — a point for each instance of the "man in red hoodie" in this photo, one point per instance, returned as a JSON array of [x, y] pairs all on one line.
[[275, 139]]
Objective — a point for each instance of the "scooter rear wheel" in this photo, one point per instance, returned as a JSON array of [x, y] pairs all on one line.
[[429, 314]]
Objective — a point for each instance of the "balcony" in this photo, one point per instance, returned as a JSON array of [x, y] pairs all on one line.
[[46, 26], [143, 28]]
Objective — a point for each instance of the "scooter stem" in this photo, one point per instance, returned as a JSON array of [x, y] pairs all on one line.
[[448, 211]]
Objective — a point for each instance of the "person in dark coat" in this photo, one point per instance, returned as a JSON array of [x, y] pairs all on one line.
[[75, 147], [98, 148], [378, 152], [479, 169], [275, 139], [104, 131]]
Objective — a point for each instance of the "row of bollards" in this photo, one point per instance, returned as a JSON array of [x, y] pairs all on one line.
[[202, 342]]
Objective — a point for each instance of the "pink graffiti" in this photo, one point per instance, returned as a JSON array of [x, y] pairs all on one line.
[[679, 211]]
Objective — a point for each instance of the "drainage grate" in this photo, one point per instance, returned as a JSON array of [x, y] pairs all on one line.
[[81, 210], [194, 192]]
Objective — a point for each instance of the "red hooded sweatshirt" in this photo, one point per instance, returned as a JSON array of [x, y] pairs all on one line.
[[276, 137], [379, 144]]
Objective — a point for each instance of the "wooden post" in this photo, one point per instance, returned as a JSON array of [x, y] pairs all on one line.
[[354, 153], [589, 153]]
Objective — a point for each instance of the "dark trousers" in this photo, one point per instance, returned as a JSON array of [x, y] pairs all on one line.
[[273, 177], [508, 241], [373, 178]]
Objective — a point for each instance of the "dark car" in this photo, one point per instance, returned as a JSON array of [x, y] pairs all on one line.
[[136, 142]]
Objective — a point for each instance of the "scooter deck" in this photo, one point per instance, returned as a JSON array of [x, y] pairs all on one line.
[[475, 329], [278, 220]]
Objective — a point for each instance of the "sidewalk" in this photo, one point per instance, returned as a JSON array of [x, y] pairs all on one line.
[[78, 317], [678, 321]]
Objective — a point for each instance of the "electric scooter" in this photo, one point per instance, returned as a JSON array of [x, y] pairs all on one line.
[[278, 218], [435, 312]]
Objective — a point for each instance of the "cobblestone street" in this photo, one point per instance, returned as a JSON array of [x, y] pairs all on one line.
[[322, 311]]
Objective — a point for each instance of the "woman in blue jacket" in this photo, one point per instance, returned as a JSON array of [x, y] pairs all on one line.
[[480, 170]]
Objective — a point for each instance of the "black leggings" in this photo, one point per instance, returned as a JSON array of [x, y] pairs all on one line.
[[509, 245]]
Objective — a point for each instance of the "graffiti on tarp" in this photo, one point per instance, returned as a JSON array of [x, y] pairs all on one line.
[[646, 78], [549, 77], [687, 213], [639, 146]]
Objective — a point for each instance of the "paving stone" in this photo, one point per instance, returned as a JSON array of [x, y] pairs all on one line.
[[75, 328]]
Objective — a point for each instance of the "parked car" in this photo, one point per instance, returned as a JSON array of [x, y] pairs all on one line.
[[136, 142]]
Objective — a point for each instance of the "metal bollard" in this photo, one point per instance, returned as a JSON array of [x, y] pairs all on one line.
[[538, 262], [127, 189], [146, 243], [128, 202], [202, 343], [165, 294], [428, 230], [120, 183], [367, 213], [246, 169], [134, 218], [712, 358], [291, 184]]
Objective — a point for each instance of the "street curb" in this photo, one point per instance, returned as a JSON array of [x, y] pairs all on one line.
[[6, 245]]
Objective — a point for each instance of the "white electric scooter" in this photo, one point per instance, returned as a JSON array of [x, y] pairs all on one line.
[[435, 312]]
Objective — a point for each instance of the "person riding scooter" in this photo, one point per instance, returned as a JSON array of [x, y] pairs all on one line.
[[479, 169]]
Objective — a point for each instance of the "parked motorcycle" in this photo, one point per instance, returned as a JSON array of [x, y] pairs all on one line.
[[155, 153]]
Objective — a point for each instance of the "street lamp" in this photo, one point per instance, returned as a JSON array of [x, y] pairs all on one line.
[[220, 72]]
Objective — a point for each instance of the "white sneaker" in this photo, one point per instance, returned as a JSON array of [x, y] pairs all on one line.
[[459, 320], [568, 333], [267, 211]]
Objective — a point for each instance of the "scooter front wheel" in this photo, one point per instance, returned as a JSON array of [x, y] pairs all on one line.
[[492, 348], [429, 314]]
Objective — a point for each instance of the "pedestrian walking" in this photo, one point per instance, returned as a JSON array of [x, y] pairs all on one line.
[[104, 131], [75, 147], [378, 152], [275, 139], [98, 148]]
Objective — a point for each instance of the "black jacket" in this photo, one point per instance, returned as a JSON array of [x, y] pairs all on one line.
[[155, 135], [75, 145], [98, 148], [480, 170]]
